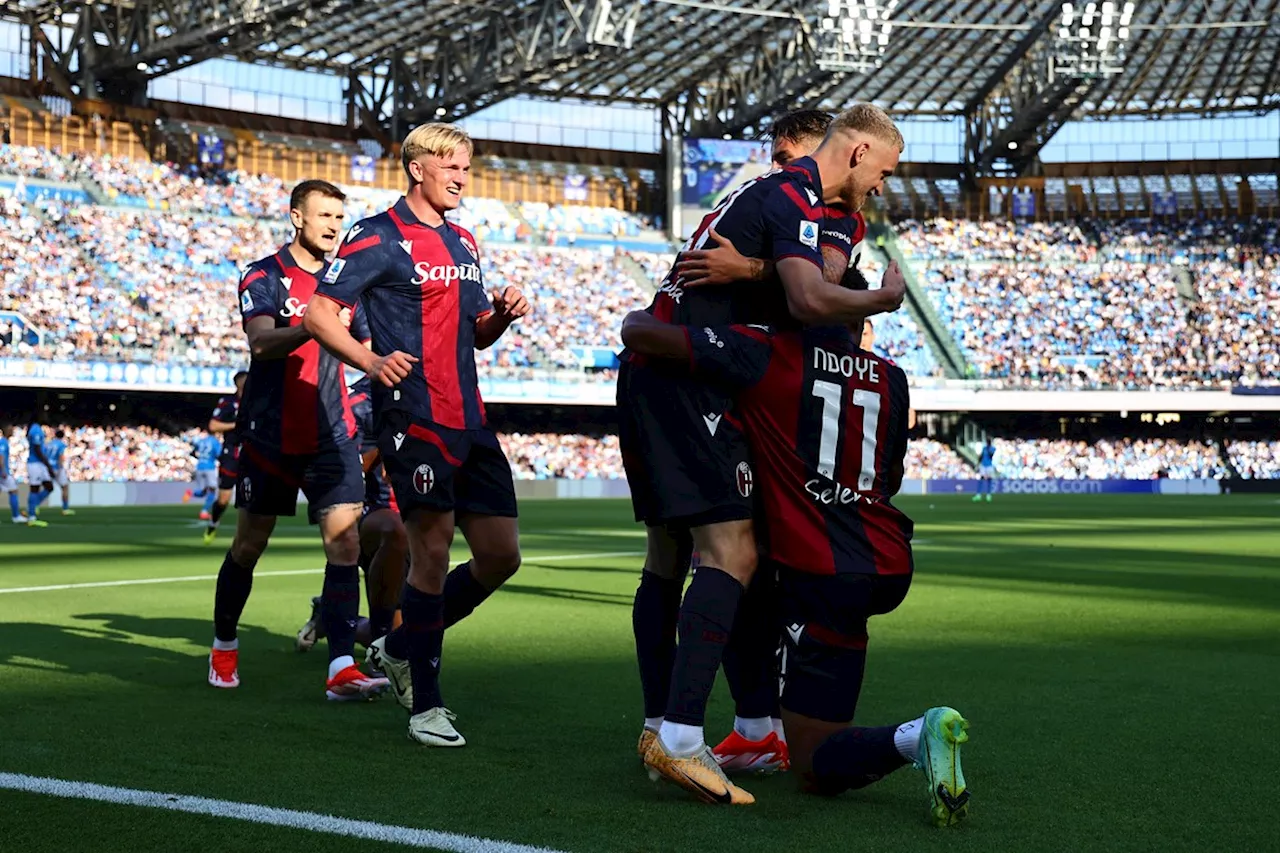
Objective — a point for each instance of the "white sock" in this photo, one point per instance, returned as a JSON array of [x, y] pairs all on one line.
[[653, 723], [778, 729], [338, 664], [907, 739], [680, 739], [226, 645], [752, 728]]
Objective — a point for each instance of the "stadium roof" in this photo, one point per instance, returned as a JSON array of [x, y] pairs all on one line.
[[725, 65]]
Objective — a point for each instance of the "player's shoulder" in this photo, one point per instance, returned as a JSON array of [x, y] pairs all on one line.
[[264, 268], [376, 230], [466, 237]]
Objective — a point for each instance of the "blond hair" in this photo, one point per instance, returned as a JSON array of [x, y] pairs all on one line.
[[871, 120], [436, 139]]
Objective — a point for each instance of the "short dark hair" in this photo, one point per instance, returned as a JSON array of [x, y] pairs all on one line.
[[312, 187], [240, 374], [62, 433], [799, 124]]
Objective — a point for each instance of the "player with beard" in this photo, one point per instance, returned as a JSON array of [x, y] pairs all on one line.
[[297, 431], [685, 455]]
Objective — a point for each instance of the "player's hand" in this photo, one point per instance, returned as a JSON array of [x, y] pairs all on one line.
[[344, 316], [893, 287], [509, 304], [721, 265], [391, 369]]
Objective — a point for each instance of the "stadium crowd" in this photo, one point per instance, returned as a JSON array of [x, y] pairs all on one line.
[[1054, 309], [1255, 460], [1132, 459]]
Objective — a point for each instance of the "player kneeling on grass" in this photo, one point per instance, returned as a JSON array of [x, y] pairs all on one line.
[[827, 425]]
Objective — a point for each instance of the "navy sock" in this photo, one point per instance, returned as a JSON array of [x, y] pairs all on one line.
[[424, 635], [340, 608], [462, 594], [234, 583], [854, 758], [750, 658], [380, 619], [216, 513], [706, 618], [654, 616]]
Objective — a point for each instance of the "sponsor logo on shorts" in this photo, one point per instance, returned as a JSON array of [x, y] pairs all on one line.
[[246, 486], [424, 479], [713, 338], [746, 480]]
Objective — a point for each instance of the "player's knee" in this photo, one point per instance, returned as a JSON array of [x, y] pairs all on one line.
[[495, 566], [247, 548]]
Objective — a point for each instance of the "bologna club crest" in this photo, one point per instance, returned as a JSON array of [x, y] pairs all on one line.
[[745, 479], [424, 479]]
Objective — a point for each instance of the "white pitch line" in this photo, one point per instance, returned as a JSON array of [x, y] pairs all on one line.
[[310, 821], [187, 578]]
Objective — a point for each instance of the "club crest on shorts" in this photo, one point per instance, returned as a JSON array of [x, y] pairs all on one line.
[[247, 488], [746, 480], [424, 479]]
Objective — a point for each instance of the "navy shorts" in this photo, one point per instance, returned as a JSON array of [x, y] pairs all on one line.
[[824, 636], [269, 480], [686, 458], [445, 470]]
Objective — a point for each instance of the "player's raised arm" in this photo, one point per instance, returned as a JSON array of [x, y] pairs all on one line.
[[647, 335], [722, 265]]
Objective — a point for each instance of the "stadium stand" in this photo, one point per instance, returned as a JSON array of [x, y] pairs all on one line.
[[1034, 459], [1255, 459]]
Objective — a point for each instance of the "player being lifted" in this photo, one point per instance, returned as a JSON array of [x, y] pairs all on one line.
[[297, 431], [223, 424], [685, 456], [418, 277], [827, 424]]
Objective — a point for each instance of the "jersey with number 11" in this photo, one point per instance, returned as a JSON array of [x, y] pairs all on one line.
[[827, 423]]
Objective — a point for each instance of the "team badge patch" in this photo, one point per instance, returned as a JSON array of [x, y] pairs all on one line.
[[335, 270], [809, 233], [424, 479], [746, 481], [246, 302], [471, 247]]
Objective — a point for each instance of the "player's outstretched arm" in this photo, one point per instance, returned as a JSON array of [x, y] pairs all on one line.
[[721, 265], [814, 301], [508, 306], [266, 342], [646, 335], [324, 320]]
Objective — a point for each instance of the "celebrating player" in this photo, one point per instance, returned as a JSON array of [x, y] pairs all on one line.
[[206, 449], [827, 423], [686, 461], [7, 481], [297, 432], [223, 424], [418, 277]]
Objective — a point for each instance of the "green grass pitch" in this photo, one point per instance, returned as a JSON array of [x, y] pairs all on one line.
[[1119, 658]]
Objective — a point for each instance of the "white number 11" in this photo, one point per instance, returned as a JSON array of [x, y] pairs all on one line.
[[869, 402]]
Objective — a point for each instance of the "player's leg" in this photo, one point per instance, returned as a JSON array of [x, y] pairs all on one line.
[[421, 461], [10, 485], [227, 477], [64, 483], [655, 613], [824, 662], [758, 741], [385, 546], [485, 496], [334, 486], [235, 581]]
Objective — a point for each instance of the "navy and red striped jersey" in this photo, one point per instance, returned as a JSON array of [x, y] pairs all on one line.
[[421, 289], [827, 424], [295, 404], [226, 410], [776, 216]]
